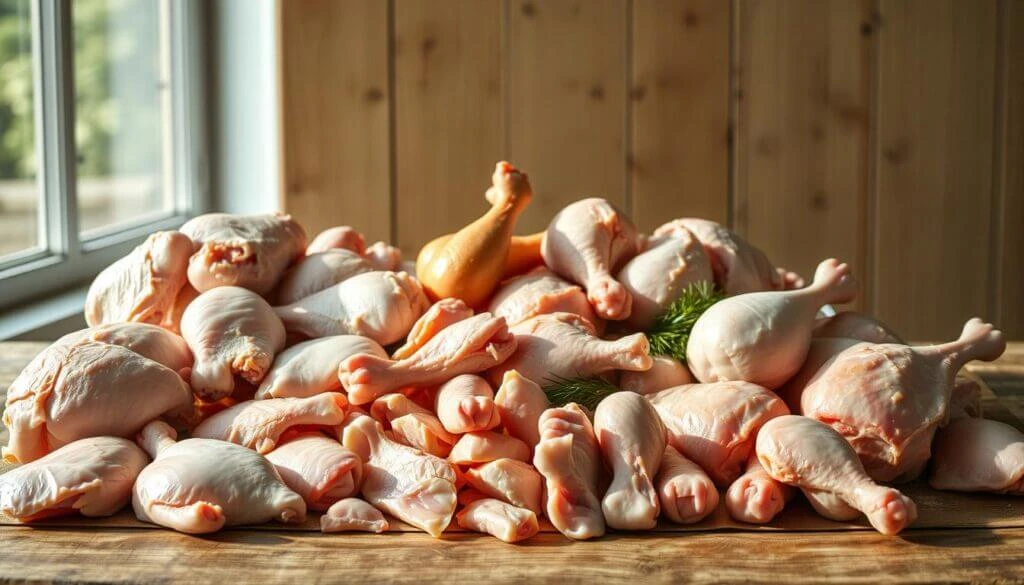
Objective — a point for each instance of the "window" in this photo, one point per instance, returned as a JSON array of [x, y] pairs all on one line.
[[101, 137]]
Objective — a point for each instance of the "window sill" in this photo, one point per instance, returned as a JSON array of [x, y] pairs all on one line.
[[30, 317]]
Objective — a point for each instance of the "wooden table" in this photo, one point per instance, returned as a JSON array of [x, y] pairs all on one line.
[[262, 556]]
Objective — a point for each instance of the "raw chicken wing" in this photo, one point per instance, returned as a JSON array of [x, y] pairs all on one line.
[[520, 403], [444, 313], [501, 520], [259, 424], [317, 468]]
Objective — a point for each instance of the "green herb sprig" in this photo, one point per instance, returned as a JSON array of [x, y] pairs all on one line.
[[671, 330], [586, 392]]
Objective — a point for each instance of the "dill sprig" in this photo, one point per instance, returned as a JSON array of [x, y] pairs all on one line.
[[671, 330], [586, 392]]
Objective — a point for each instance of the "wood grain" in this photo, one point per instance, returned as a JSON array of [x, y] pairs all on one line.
[[335, 149], [935, 158], [567, 106], [1010, 250], [802, 130], [449, 117], [679, 90]]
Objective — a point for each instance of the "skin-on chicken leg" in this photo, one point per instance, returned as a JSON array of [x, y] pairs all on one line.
[[687, 494], [756, 497], [979, 455], [316, 272], [541, 292]]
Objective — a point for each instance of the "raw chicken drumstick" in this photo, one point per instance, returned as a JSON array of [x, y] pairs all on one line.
[[501, 520], [465, 404], [199, 486], [979, 455], [469, 263], [569, 458], [319, 271], [259, 424], [587, 242], [353, 514], [520, 403], [144, 285], [763, 337], [318, 468], [92, 477], [687, 494], [250, 251], [756, 497], [231, 331], [340, 237], [632, 440], [540, 292], [810, 455], [888, 399], [311, 367]]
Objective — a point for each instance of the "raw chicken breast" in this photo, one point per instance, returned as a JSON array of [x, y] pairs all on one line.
[[259, 424], [509, 480], [501, 520], [665, 372], [353, 514], [317, 272], [541, 292], [978, 455], [340, 237], [687, 494], [465, 404], [317, 468], [311, 367], [520, 402]]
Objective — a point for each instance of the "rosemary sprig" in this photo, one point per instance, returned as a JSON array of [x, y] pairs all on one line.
[[586, 392], [671, 330]]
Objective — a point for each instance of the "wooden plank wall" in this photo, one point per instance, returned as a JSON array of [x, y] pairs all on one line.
[[889, 133]]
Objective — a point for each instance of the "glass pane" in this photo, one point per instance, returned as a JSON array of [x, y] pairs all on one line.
[[122, 106], [19, 193]]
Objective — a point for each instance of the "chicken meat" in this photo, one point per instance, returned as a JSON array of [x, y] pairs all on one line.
[[686, 492], [316, 272], [465, 404], [500, 519], [978, 455], [509, 480], [311, 367], [260, 424], [353, 514], [540, 292], [756, 497], [665, 372], [520, 402], [340, 237], [317, 467]]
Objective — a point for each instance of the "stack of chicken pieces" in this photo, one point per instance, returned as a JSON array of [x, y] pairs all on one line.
[[235, 373]]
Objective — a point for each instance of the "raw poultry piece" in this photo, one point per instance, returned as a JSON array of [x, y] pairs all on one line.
[[665, 372], [566, 345], [888, 399], [715, 425], [854, 325], [380, 305], [311, 367], [632, 440], [465, 347], [541, 292], [259, 424], [87, 389], [144, 285], [587, 242], [501, 520], [520, 403], [763, 337], [149, 341], [91, 476], [232, 332], [340, 237], [484, 446], [509, 480], [569, 458], [316, 272], [465, 404], [444, 313], [413, 424], [978, 455], [658, 276], [812, 456], [469, 263], [819, 352], [523, 254], [353, 514], [405, 482], [383, 256], [687, 494], [317, 467], [249, 251], [199, 486], [756, 497]]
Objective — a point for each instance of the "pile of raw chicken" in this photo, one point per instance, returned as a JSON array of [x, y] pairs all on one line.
[[324, 377]]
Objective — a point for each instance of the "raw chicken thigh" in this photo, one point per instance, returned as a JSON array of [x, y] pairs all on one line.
[[509, 480], [92, 477], [231, 331], [340, 237], [810, 455], [763, 337], [199, 486], [405, 482], [311, 367], [888, 399], [540, 292], [259, 424], [501, 520], [587, 242], [380, 305], [249, 251], [317, 468], [854, 325], [353, 514], [87, 389], [687, 494], [149, 341], [520, 403], [444, 313], [979, 455], [144, 285], [566, 345], [756, 497], [665, 372], [317, 272], [715, 425], [465, 404]]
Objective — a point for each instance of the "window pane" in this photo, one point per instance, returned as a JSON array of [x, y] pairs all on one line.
[[122, 106], [19, 193]]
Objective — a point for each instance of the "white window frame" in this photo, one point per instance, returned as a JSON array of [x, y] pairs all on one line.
[[65, 260]]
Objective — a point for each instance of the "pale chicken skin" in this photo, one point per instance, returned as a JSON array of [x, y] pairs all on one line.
[[260, 424], [569, 458], [384, 256], [563, 345], [143, 286], [87, 389], [665, 372], [465, 404], [407, 483], [812, 456], [465, 347], [149, 341], [509, 480], [340, 237], [232, 332], [756, 497], [198, 486], [763, 337], [311, 367], [353, 515], [715, 425], [412, 424], [380, 305], [632, 440], [540, 292], [854, 325], [485, 446], [444, 313], [888, 399], [318, 468], [978, 455], [248, 251], [316, 272], [687, 494], [91, 477], [520, 402], [500, 519], [587, 242]]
